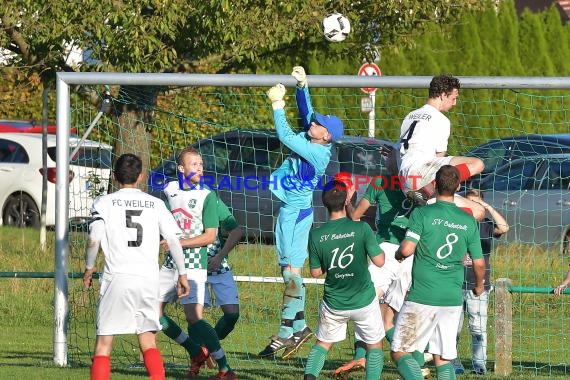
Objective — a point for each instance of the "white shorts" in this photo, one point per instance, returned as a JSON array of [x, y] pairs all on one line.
[[168, 284], [418, 325], [368, 325], [128, 304], [393, 278], [417, 176], [197, 280], [224, 288]]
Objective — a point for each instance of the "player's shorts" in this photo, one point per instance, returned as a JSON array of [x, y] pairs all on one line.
[[417, 176], [396, 293], [418, 325], [197, 280], [367, 320], [224, 288], [168, 284], [128, 304], [292, 235], [383, 276]]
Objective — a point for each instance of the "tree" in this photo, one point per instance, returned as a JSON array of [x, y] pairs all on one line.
[[216, 36]]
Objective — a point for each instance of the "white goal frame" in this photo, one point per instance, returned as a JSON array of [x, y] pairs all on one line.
[[65, 79]]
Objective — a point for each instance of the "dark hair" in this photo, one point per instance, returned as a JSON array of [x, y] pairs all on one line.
[[185, 151], [128, 167], [334, 196], [474, 193], [443, 84], [447, 180]]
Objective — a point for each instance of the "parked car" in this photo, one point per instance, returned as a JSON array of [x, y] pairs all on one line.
[[21, 178], [25, 126], [498, 152], [232, 156], [533, 193]]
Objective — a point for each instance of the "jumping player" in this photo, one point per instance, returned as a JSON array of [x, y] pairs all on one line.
[[297, 178]]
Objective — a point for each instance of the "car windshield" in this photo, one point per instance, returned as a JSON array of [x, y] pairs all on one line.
[[360, 160], [91, 157]]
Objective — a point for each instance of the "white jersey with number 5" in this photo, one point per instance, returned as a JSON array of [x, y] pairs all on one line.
[[132, 234]]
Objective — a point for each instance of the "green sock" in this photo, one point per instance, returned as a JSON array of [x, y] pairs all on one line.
[[419, 356], [445, 372], [409, 369], [315, 361], [390, 335], [226, 324], [359, 349], [205, 333], [374, 363], [174, 332]]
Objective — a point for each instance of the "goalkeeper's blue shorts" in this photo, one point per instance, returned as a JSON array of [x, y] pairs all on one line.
[[292, 235]]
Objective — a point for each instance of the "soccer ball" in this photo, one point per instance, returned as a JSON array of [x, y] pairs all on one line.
[[335, 27]]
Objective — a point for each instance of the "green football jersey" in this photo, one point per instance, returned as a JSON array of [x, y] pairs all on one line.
[[227, 224], [341, 248], [393, 208], [443, 234]]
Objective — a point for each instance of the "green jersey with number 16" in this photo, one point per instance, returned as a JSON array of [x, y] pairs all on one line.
[[443, 234], [341, 248]]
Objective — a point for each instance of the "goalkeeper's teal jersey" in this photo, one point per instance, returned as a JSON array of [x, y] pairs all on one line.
[[393, 211], [341, 248], [299, 175], [443, 234]]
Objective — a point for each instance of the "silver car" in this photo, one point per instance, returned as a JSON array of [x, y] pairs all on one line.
[[533, 193]]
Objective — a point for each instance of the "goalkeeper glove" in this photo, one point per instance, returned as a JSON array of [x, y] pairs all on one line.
[[299, 74], [276, 94]]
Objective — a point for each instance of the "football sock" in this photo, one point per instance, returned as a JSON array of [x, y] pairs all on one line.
[[419, 356], [174, 332], [289, 306], [445, 372], [226, 324], [409, 369], [315, 361], [374, 363], [299, 322], [359, 349], [390, 335], [101, 367], [464, 172], [205, 333], [153, 363]]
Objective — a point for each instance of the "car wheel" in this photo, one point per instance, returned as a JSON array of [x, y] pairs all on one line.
[[21, 211]]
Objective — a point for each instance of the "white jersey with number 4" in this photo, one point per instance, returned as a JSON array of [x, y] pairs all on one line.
[[132, 234], [423, 133]]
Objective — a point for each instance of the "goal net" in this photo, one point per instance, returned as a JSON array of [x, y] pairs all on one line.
[[229, 119]]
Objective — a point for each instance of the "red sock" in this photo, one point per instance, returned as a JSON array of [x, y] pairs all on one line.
[[153, 363], [101, 368], [467, 210], [464, 172]]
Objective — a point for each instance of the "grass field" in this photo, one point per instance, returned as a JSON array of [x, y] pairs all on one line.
[[540, 322]]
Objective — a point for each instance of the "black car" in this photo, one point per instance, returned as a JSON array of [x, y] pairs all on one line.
[[238, 164], [498, 152]]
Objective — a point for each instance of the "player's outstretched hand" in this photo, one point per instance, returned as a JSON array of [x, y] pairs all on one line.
[[276, 95], [183, 286], [385, 150], [88, 277], [559, 289], [299, 74]]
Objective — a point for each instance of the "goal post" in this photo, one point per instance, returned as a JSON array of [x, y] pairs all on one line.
[[390, 84]]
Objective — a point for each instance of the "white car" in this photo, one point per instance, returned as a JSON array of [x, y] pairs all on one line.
[[21, 178]]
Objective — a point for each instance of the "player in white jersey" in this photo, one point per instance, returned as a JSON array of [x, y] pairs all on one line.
[[194, 207], [423, 144], [128, 224]]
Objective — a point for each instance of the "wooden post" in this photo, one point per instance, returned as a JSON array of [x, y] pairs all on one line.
[[503, 328]]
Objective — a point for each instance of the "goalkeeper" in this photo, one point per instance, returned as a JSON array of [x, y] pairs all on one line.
[[295, 181]]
